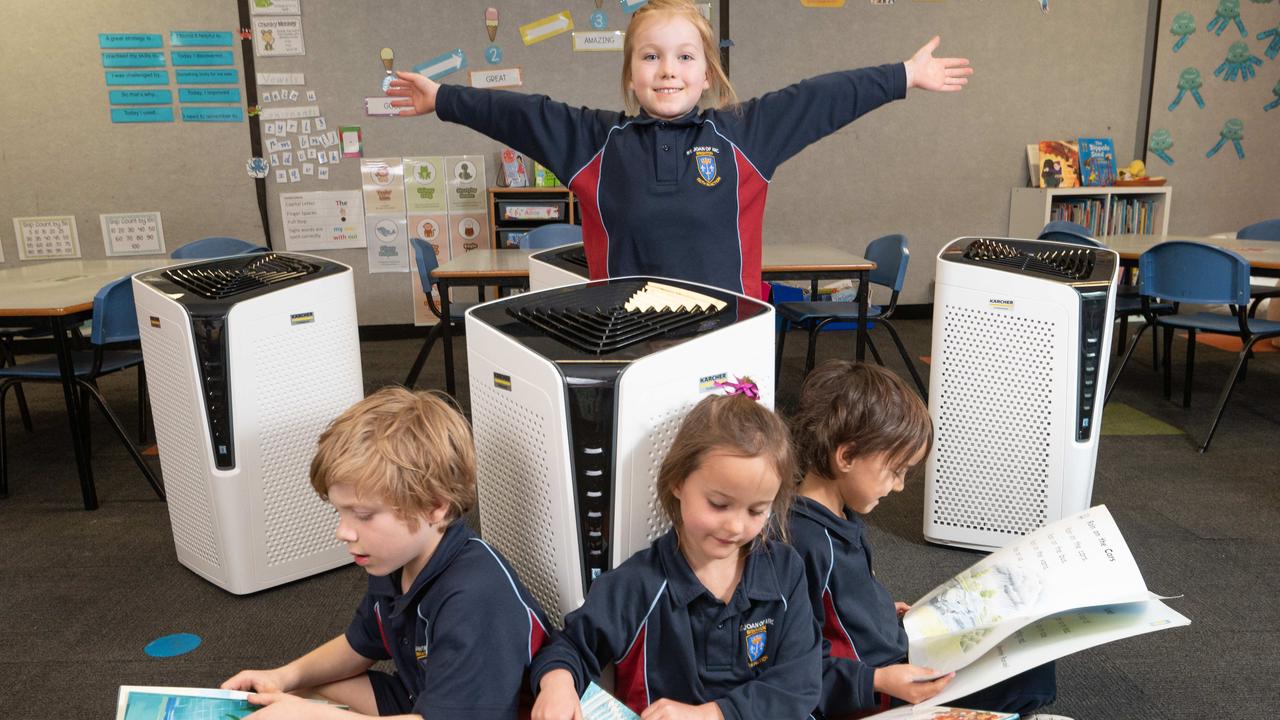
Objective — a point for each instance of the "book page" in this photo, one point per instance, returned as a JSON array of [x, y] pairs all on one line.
[[660, 296], [1058, 636], [600, 705], [1079, 561]]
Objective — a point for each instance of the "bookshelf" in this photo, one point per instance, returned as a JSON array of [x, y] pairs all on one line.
[[1104, 210], [516, 211]]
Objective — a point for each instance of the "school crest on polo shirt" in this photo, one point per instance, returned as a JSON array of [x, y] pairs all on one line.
[[756, 636], [704, 159], [420, 636]]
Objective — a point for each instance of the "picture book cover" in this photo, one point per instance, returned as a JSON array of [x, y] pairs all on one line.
[[1097, 162], [1059, 164], [1033, 164]]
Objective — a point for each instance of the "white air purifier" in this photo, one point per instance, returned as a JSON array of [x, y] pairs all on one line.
[[248, 359], [1021, 332], [557, 267], [575, 401]]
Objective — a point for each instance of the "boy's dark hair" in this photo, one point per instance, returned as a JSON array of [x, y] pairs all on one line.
[[737, 425], [862, 405]]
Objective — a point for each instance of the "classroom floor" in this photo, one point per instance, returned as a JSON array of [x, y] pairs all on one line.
[[82, 593]]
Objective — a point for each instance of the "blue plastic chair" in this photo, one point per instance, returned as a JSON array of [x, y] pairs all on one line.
[[890, 254], [1068, 232], [114, 322], [216, 247], [425, 259], [1191, 272], [1128, 300], [551, 235], [1265, 230]]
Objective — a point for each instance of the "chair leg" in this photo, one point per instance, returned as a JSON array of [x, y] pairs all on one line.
[[4, 440], [906, 358], [421, 360], [1124, 361], [1226, 393], [875, 352], [1155, 346], [124, 437], [1191, 368], [1124, 332], [1168, 368], [7, 357], [810, 357], [782, 341]]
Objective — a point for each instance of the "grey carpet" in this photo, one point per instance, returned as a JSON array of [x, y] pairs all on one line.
[[81, 593]]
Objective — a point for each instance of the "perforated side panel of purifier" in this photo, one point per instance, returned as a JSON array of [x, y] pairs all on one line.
[[514, 458], [993, 420], [184, 453], [662, 432], [294, 374]]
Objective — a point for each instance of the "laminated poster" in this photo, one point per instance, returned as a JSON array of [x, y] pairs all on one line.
[[322, 220], [46, 238], [382, 180], [388, 243], [132, 233], [277, 36], [424, 186]]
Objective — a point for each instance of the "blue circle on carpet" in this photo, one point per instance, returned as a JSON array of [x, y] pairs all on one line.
[[171, 645]]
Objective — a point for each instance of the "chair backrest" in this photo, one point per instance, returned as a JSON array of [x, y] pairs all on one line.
[[890, 254], [214, 247], [1265, 230], [424, 255], [551, 235], [114, 317], [1192, 272], [1065, 231]]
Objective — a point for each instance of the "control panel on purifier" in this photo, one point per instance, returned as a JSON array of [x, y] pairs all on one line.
[[1093, 325]]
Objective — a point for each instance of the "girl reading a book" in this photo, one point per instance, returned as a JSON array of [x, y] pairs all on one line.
[[713, 619]]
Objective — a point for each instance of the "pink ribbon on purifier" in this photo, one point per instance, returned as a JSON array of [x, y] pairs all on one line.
[[742, 386]]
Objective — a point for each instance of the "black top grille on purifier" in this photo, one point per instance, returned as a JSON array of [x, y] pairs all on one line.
[[1071, 263], [575, 256], [239, 275], [595, 319]]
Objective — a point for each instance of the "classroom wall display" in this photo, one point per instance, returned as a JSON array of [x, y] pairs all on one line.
[[194, 175], [132, 233], [322, 220], [47, 238], [1217, 80], [384, 209]]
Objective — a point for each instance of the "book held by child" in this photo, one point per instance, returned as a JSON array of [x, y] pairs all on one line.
[[1068, 586]]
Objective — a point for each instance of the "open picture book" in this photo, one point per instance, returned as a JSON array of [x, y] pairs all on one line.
[[144, 702], [1070, 585]]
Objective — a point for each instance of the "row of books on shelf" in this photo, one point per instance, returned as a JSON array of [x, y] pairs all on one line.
[[1127, 215], [1083, 162]]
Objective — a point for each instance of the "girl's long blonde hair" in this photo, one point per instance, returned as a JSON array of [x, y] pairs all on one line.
[[721, 90]]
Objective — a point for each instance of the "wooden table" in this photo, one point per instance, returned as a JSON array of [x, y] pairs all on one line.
[[791, 261], [58, 295], [1263, 255]]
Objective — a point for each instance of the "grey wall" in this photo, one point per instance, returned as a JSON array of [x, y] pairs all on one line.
[[938, 166]]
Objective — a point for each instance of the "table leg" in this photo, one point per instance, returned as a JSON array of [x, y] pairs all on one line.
[[860, 352], [66, 368], [446, 336]]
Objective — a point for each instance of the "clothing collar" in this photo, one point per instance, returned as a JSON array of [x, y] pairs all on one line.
[[451, 543], [693, 117], [758, 578], [848, 527]]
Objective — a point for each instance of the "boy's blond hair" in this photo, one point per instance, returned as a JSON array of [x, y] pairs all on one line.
[[412, 450], [721, 89], [737, 425], [862, 405]]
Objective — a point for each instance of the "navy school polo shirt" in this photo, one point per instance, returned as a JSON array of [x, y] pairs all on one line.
[[679, 198], [860, 627], [462, 637], [669, 637]]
